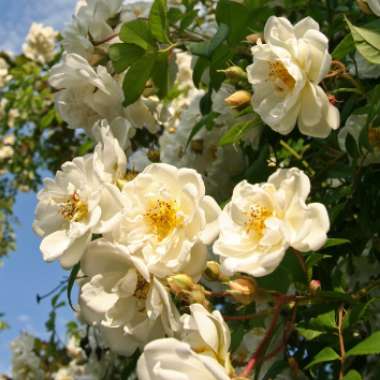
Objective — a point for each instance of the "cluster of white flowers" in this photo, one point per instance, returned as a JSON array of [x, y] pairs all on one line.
[[26, 365], [157, 224], [83, 366], [201, 350], [40, 42], [6, 149], [132, 225], [4, 76]]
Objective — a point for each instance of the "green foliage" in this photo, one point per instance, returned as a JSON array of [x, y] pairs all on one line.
[[369, 346], [367, 40], [158, 21], [136, 77], [325, 355]]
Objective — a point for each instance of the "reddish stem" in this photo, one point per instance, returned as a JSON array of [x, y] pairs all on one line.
[[109, 38], [285, 337], [263, 344], [245, 317]]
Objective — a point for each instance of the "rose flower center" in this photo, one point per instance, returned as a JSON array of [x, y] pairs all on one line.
[[257, 215], [74, 209], [280, 77], [162, 217]]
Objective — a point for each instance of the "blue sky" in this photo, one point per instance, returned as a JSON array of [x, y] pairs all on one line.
[[17, 15], [24, 274]]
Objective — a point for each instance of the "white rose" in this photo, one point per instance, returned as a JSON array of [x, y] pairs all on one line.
[[40, 43], [71, 207], [120, 128], [168, 220], [131, 307], [135, 9], [90, 19], [85, 95], [263, 220], [285, 76], [207, 334], [110, 161], [169, 358]]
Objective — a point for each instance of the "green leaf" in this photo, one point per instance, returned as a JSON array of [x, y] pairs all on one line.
[[325, 355], [71, 282], [333, 242], [276, 368], [174, 15], [352, 375], [205, 122], [259, 171], [369, 346], [158, 21], [237, 336], [160, 74], [136, 77], [237, 131], [236, 17], [199, 68], [188, 19], [124, 55], [131, 365], [309, 334], [324, 321], [345, 47], [207, 48], [367, 40], [48, 119], [137, 32]]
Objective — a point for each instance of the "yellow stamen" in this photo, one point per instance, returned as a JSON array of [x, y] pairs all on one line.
[[280, 76], [74, 210], [257, 215], [162, 217]]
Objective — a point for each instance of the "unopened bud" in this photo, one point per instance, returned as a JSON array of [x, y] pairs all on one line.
[[234, 73], [197, 295], [254, 38], [180, 283], [243, 290], [214, 273], [238, 98], [154, 155], [314, 286]]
